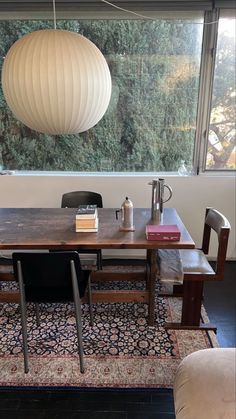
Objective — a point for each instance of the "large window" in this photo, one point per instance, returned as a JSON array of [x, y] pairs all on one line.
[[155, 118], [221, 152], [151, 120]]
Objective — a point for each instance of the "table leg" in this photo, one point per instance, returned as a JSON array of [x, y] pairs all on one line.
[[152, 261]]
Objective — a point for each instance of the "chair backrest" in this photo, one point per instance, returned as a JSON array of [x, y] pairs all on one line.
[[76, 198], [216, 221], [47, 276]]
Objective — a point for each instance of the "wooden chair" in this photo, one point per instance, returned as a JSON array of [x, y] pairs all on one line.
[[76, 198], [50, 278], [197, 269]]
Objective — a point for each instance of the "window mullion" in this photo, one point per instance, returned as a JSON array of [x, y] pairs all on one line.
[[205, 89]]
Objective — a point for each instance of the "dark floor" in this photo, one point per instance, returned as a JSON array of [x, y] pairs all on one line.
[[220, 304], [123, 404]]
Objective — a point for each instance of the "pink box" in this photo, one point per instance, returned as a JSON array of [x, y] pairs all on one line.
[[162, 232]]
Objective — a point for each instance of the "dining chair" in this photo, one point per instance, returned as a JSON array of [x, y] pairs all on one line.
[[197, 269], [76, 198], [54, 277]]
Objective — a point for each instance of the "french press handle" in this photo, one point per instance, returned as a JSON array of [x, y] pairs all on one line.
[[117, 212]]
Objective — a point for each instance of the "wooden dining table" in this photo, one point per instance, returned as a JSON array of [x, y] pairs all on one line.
[[54, 228]]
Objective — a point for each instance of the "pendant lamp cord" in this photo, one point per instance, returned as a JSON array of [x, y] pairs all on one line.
[[154, 18], [54, 14]]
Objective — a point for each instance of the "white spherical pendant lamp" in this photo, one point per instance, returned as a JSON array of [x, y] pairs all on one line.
[[56, 82]]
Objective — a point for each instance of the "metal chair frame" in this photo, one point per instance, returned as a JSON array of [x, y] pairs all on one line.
[[76, 299]]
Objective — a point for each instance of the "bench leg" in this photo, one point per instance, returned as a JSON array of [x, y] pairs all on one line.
[[177, 290], [191, 308], [192, 302]]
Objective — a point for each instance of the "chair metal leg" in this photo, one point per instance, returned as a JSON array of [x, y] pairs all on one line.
[[99, 260], [23, 317], [77, 302], [90, 301]]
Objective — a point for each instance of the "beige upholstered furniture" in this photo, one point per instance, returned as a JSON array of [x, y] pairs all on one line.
[[204, 386]]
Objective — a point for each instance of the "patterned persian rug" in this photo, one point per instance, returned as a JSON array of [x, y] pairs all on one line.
[[121, 350]]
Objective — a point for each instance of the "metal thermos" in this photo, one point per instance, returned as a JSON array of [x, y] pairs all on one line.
[[158, 187], [127, 215]]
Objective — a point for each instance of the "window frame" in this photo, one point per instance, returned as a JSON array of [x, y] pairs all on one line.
[[209, 42], [208, 59]]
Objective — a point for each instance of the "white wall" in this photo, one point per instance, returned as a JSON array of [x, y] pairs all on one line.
[[191, 195]]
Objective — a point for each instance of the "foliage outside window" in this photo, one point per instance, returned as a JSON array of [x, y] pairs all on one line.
[[151, 120], [221, 152]]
